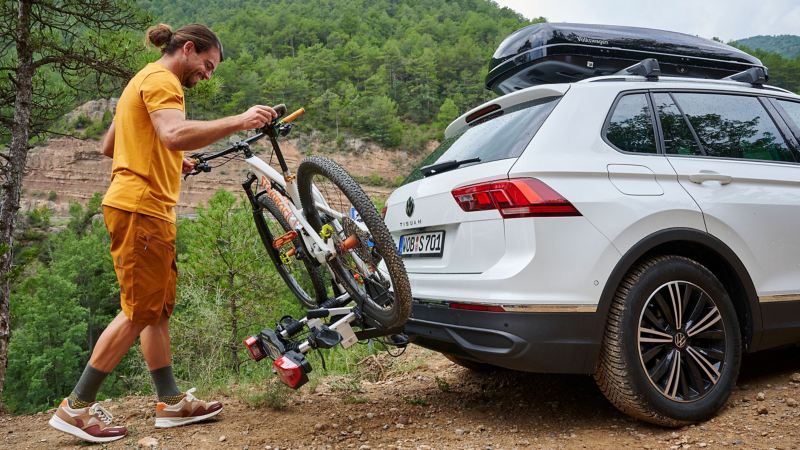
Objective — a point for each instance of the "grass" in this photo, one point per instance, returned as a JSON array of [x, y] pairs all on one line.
[[273, 394], [416, 401]]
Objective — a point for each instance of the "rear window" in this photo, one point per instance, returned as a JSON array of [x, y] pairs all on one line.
[[630, 127], [500, 136]]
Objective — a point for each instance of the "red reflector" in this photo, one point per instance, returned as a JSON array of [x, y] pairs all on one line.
[[517, 197], [290, 373], [383, 212], [476, 307], [254, 348]]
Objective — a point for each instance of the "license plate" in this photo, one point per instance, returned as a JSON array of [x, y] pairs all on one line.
[[430, 243]]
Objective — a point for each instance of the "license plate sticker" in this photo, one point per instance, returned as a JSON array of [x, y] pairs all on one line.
[[427, 244]]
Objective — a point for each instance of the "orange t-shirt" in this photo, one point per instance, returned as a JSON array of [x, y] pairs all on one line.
[[145, 174]]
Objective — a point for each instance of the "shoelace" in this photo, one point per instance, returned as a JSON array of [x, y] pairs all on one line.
[[189, 397], [102, 413]]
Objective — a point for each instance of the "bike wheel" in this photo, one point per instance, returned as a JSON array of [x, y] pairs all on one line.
[[305, 279], [371, 271]]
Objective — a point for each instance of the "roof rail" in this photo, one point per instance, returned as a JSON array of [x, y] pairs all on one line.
[[648, 68], [755, 76]]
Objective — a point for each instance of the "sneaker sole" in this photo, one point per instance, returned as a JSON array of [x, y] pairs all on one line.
[[169, 422], [59, 424]]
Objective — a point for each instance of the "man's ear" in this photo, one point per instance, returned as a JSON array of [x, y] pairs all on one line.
[[188, 46]]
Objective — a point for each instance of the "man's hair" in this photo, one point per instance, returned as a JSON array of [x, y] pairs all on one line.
[[169, 41]]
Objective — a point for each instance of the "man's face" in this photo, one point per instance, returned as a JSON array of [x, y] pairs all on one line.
[[198, 66]]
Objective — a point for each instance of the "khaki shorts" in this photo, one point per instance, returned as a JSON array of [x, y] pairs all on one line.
[[143, 249]]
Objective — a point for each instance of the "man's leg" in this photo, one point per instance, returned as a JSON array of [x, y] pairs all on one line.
[[155, 342], [115, 341]]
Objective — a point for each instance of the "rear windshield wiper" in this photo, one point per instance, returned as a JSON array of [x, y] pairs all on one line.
[[444, 166]]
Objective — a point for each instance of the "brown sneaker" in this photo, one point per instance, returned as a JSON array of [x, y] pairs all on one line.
[[92, 423], [189, 410]]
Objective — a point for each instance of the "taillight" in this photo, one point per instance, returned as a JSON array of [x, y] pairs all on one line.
[[292, 369], [518, 197], [254, 348], [383, 212]]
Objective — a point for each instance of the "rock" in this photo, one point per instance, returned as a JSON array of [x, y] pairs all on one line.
[[404, 420], [762, 410], [460, 432], [148, 442], [761, 396], [320, 427], [399, 425], [702, 444], [364, 447], [370, 415], [222, 438], [791, 403], [795, 378]]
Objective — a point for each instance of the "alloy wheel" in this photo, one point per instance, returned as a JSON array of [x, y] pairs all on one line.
[[681, 341]]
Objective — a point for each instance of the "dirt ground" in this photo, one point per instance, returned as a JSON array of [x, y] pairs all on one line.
[[433, 404]]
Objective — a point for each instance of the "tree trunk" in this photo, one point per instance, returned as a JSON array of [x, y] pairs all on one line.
[[234, 345], [12, 182]]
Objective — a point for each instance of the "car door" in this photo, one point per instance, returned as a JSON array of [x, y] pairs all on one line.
[[732, 157]]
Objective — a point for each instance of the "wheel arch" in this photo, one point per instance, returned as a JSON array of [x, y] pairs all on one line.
[[706, 250]]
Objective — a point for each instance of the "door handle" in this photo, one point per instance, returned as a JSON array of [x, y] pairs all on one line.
[[710, 175]]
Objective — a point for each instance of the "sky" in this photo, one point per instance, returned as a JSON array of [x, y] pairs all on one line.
[[725, 19]]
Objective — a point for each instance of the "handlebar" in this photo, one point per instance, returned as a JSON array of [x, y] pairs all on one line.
[[272, 129]]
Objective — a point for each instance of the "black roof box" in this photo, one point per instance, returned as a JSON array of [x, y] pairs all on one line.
[[564, 53]]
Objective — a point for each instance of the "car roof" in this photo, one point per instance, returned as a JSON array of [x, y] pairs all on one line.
[[618, 83]]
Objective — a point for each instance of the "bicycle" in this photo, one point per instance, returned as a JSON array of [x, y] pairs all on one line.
[[327, 256]]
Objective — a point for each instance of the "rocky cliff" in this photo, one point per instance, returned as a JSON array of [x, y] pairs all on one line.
[[68, 169]]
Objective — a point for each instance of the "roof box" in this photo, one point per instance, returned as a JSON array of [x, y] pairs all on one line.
[[565, 53]]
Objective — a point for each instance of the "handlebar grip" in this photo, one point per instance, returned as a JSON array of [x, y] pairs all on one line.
[[291, 117]]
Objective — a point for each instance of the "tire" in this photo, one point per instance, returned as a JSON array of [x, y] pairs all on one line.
[[384, 294], [303, 277], [670, 376]]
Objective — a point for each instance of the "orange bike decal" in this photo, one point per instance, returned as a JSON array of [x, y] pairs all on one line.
[[278, 199]]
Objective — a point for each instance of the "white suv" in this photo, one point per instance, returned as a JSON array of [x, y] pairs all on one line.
[[646, 232]]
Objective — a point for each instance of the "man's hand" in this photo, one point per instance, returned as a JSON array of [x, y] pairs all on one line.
[[256, 117], [188, 165]]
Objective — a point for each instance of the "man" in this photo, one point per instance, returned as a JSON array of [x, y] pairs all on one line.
[[146, 141]]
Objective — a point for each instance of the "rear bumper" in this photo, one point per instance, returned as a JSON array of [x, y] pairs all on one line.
[[566, 342]]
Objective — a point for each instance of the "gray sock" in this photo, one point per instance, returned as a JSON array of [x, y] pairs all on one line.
[[166, 389], [85, 391]]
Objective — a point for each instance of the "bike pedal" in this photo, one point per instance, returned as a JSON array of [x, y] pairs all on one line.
[[282, 240]]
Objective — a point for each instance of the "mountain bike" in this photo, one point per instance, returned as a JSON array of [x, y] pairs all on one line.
[[329, 244]]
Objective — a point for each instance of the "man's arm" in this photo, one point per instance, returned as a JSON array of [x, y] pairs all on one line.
[[108, 142], [177, 133]]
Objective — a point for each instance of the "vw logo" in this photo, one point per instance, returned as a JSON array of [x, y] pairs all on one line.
[[680, 340], [409, 206]]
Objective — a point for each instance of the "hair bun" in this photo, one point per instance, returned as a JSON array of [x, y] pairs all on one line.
[[158, 35]]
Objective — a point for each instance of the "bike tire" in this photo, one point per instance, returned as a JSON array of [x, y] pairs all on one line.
[[302, 276], [384, 307]]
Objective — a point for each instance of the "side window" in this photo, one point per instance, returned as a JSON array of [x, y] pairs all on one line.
[[732, 126], [678, 137], [793, 109], [630, 127]]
